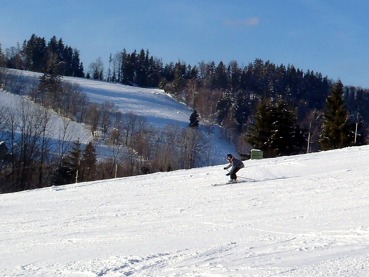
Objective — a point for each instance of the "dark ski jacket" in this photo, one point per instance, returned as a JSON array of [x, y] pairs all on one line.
[[235, 163]]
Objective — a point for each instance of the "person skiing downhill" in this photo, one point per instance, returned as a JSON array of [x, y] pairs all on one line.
[[235, 165]]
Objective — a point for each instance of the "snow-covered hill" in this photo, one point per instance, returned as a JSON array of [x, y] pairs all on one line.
[[159, 109], [154, 104], [58, 127], [296, 216]]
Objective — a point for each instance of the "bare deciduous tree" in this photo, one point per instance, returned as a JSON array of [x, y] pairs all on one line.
[[93, 117], [97, 69], [29, 125], [166, 157]]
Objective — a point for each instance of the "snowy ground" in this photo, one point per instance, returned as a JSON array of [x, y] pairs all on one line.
[[299, 216]]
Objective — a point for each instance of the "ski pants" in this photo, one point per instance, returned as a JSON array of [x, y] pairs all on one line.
[[233, 173]]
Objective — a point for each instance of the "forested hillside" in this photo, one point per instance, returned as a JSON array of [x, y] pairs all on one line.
[[231, 96], [227, 94]]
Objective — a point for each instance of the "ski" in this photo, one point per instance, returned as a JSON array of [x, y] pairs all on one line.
[[221, 184], [244, 180]]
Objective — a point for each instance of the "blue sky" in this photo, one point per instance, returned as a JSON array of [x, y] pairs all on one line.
[[327, 36]]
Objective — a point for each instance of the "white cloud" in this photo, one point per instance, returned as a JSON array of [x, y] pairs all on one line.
[[251, 21]]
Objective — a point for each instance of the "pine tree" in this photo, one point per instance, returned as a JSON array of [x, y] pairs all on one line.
[[220, 77], [141, 67], [275, 130], [194, 119], [223, 106], [287, 137], [259, 134], [35, 52], [128, 67], [69, 170], [338, 131], [49, 90], [88, 163], [76, 65], [242, 109]]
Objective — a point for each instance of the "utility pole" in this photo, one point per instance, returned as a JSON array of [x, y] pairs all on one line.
[[356, 126], [77, 176], [308, 142]]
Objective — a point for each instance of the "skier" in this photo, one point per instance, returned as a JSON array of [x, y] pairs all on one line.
[[235, 165]]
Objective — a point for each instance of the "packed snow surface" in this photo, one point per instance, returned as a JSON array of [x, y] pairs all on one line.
[[301, 215]]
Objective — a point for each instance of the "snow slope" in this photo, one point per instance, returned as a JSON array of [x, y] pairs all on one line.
[[58, 127], [159, 109], [154, 104], [301, 215]]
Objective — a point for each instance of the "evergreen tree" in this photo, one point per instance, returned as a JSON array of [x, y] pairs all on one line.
[[260, 133], [220, 77], [234, 73], [76, 65], [69, 170], [194, 119], [128, 63], [35, 54], [275, 130], [73, 161], [49, 90], [287, 137], [88, 163], [141, 68], [242, 109], [179, 82], [338, 131], [54, 50], [67, 61], [223, 107], [154, 72]]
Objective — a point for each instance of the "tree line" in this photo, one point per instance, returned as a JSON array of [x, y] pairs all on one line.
[[227, 94], [38, 55], [277, 131]]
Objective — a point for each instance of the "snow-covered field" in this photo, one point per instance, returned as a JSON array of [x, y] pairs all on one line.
[[301, 215]]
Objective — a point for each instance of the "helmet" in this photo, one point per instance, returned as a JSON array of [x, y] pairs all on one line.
[[229, 156]]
